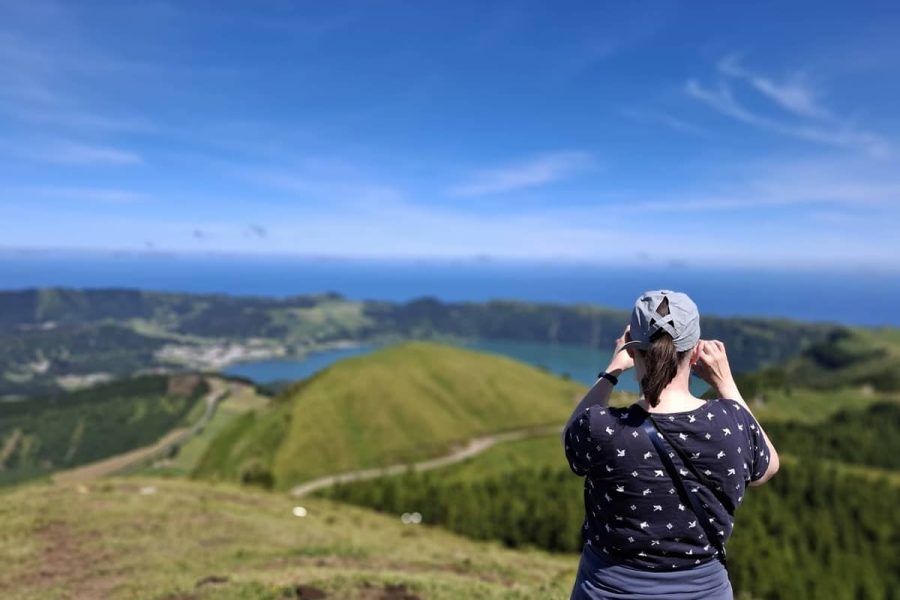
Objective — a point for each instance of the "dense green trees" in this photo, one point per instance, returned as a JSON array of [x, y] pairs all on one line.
[[811, 533], [827, 526], [863, 437], [40, 435]]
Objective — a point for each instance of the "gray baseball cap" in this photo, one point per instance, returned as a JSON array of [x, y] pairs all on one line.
[[682, 322]]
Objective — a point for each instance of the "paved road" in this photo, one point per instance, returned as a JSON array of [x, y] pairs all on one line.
[[474, 447], [218, 390]]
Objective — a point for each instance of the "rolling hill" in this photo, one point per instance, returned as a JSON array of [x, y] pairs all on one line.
[[868, 357], [404, 403]]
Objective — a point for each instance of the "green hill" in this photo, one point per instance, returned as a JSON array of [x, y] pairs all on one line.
[[45, 434], [866, 358], [400, 404], [164, 539]]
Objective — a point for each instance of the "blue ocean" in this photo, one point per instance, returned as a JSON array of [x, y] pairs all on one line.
[[856, 297]]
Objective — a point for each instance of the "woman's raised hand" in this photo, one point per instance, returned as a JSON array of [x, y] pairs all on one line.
[[621, 360], [712, 364]]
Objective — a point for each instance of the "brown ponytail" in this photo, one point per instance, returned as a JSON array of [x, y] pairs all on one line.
[[661, 362]]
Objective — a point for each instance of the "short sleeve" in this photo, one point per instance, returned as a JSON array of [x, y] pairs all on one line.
[[579, 444], [757, 454]]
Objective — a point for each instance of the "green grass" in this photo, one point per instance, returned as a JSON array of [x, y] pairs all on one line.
[[400, 404], [240, 401], [111, 541]]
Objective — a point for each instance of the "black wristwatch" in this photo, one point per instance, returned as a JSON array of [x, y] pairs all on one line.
[[609, 377]]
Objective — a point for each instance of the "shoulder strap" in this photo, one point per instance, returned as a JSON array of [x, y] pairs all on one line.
[[662, 448], [716, 491]]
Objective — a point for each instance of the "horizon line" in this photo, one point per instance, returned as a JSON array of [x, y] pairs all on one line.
[[482, 259]]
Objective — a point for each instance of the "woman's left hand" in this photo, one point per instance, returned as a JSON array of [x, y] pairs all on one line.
[[621, 360]]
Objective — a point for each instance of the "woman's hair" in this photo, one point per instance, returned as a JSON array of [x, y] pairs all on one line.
[[661, 362]]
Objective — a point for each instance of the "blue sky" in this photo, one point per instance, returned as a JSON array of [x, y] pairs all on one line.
[[699, 132]]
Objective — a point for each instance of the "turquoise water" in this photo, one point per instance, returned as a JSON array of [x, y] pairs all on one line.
[[292, 369], [581, 363]]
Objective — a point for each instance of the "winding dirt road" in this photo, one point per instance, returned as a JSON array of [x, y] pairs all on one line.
[[218, 390], [473, 448]]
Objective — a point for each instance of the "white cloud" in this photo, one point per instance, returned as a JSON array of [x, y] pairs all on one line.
[[82, 194], [317, 182], [794, 96], [811, 185], [814, 122], [661, 118], [78, 154], [542, 170]]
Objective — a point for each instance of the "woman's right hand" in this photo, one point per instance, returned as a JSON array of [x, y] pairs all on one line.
[[621, 360], [712, 365]]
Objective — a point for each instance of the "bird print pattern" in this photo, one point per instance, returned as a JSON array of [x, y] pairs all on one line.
[[633, 512]]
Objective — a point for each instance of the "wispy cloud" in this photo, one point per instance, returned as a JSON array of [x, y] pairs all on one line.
[[795, 96], [78, 154], [812, 185], [662, 118], [318, 183], [542, 170], [50, 76], [82, 194], [812, 121]]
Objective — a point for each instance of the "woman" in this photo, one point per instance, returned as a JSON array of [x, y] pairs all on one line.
[[659, 511]]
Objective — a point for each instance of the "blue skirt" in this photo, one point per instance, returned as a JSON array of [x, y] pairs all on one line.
[[601, 579]]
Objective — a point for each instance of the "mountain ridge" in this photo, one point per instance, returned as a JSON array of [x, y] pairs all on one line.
[[43, 331]]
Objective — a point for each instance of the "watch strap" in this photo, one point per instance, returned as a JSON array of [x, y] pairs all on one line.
[[609, 377]]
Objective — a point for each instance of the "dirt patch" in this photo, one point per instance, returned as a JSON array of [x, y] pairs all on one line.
[[65, 563], [211, 580], [388, 592], [398, 592], [308, 592], [366, 591]]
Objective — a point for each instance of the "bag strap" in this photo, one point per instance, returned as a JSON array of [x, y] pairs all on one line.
[[662, 448], [715, 490]]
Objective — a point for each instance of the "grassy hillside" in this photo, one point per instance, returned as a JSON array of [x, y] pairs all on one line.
[[400, 404], [151, 539], [242, 399], [42, 435]]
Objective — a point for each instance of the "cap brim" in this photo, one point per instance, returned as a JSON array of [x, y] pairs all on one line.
[[636, 344]]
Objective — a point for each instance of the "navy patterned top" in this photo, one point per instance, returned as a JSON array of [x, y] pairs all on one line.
[[633, 512]]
